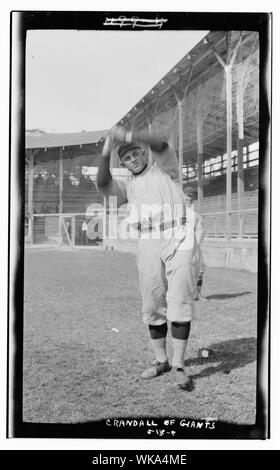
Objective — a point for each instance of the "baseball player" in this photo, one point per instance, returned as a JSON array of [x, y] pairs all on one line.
[[199, 234], [165, 262], [84, 232]]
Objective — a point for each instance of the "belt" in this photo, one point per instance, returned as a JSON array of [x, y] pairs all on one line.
[[162, 226]]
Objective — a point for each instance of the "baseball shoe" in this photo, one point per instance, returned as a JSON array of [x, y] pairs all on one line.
[[181, 379], [203, 299], [156, 369]]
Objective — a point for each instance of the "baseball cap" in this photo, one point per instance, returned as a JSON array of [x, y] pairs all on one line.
[[190, 192], [125, 147]]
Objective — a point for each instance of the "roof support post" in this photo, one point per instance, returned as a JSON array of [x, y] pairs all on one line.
[[228, 74], [199, 161], [240, 143], [135, 119], [150, 114], [241, 85], [60, 195], [60, 180], [172, 130], [180, 97], [240, 185], [180, 136], [181, 140], [30, 196]]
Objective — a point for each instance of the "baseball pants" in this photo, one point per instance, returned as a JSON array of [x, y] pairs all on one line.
[[167, 281]]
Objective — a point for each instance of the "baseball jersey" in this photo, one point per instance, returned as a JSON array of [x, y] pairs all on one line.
[[153, 192]]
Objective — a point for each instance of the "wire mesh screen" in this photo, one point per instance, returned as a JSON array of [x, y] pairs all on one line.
[[166, 123], [77, 191], [82, 229], [204, 123]]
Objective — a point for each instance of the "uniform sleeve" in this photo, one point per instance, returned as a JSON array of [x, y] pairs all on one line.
[[114, 188], [199, 229], [167, 160]]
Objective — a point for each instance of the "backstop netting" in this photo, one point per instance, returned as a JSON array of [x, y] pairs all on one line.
[[205, 111]]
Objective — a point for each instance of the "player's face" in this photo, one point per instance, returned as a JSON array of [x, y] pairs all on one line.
[[135, 160], [188, 200]]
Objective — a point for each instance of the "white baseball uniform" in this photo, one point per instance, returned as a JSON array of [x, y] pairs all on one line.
[[166, 263]]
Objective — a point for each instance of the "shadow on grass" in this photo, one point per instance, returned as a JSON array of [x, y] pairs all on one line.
[[226, 296], [232, 354]]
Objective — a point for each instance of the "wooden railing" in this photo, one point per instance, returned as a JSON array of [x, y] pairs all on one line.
[[243, 224], [65, 229]]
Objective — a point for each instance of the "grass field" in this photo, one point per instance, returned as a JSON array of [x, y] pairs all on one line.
[[85, 345]]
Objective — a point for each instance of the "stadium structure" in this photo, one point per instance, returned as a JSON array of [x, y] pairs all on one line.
[[208, 106]]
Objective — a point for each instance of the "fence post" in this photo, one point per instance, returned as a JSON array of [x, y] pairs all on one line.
[[73, 230], [216, 226], [60, 235], [241, 224], [105, 218], [228, 74]]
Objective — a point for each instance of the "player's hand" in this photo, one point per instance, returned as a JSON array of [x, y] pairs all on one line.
[[118, 133], [115, 135]]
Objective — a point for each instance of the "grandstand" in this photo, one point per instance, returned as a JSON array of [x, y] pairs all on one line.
[[208, 106], [57, 181]]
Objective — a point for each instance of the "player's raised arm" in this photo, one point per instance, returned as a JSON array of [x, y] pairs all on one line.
[[104, 175], [105, 183], [158, 144]]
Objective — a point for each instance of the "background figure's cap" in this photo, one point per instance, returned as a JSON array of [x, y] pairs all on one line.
[[190, 192], [125, 147]]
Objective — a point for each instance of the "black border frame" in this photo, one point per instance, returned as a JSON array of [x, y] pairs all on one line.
[[92, 20]]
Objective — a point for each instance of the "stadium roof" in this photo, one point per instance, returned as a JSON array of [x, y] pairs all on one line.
[[199, 63], [200, 70], [44, 140]]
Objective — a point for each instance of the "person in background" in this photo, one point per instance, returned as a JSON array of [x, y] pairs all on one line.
[[199, 234], [84, 232]]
